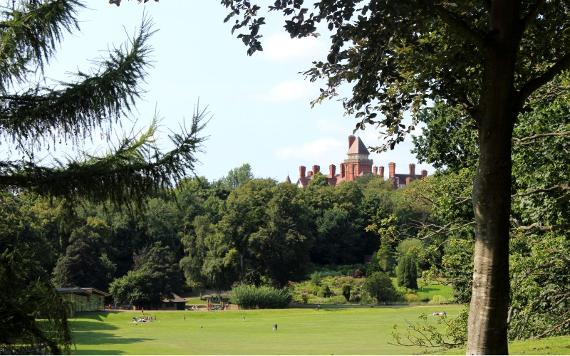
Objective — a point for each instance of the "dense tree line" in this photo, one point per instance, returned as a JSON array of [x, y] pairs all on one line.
[[206, 235]]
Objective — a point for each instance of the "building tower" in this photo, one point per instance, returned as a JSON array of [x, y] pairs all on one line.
[[357, 163]]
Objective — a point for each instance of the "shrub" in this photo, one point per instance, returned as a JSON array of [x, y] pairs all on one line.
[[325, 292], [407, 272], [316, 278], [379, 285], [355, 298], [357, 273], [438, 299], [346, 292], [411, 298], [264, 297]]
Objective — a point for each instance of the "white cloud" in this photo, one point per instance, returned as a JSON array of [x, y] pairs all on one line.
[[281, 47], [324, 150], [290, 90]]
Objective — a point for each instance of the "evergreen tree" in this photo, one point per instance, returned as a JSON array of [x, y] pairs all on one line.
[[407, 272], [35, 115]]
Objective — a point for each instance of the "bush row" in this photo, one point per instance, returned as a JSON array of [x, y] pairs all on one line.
[[264, 297]]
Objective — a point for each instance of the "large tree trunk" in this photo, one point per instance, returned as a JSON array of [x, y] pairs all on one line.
[[487, 332]]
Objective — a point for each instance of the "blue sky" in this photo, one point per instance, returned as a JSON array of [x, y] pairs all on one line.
[[259, 105]]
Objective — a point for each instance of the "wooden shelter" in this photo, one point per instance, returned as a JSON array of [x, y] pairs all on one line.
[[83, 299]]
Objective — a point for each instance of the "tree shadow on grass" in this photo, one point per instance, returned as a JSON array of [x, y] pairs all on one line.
[[78, 325], [99, 316], [98, 352], [101, 338], [427, 289]]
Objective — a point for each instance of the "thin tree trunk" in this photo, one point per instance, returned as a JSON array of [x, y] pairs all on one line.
[[487, 331]]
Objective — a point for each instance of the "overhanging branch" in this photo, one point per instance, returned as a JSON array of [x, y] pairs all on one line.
[[542, 190], [533, 84], [530, 139]]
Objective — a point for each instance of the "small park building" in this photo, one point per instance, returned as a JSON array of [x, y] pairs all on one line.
[[83, 299]]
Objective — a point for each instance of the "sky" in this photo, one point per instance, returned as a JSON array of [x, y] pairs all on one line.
[[259, 106]]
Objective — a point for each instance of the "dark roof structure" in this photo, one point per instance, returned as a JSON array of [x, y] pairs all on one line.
[[81, 291], [174, 299]]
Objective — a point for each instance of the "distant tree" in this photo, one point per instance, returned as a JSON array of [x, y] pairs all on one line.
[[244, 214], [281, 246], [385, 258], [210, 258], [135, 288], [156, 274], [237, 176], [407, 271], [318, 180], [379, 285], [85, 264]]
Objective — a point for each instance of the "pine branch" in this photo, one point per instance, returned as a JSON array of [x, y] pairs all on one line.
[[129, 174], [76, 110], [29, 34]]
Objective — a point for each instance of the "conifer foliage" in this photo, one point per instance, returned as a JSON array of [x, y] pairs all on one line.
[[35, 117]]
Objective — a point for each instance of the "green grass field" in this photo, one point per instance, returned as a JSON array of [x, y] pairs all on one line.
[[300, 331]]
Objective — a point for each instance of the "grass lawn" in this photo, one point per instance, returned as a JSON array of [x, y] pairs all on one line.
[[300, 331], [549, 346], [427, 292]]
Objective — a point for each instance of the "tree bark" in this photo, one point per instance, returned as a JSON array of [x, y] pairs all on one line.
[[487, 330]]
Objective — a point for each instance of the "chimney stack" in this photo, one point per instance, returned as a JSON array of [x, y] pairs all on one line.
[[412, 170], [332, 171], [302, 171], [391, 170], [351, 139], [375, 170], [424, 173], [310, 174], [381, 172], [316, 169]]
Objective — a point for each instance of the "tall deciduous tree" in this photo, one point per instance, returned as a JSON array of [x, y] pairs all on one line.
[[486, 57]]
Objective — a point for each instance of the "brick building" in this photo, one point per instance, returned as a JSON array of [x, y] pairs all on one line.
[[358, 164]]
